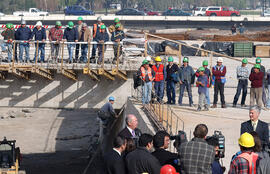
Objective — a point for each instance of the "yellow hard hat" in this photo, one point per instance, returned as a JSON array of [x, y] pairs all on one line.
[[246, 140], [158, 59]]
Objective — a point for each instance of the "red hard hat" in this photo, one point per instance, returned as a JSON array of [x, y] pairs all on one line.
[[168, 169]]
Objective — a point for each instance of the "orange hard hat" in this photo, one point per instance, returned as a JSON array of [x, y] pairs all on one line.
[[168, 169]]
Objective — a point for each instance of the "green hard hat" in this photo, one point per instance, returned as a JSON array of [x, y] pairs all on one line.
[[116, 20], [201, 69], [205, 63], [58, 23], [70, 24], [11, 26], [245, 61], [257, 66], [8, 25], [170, 59], [185, 59], [103, 26], [258, 60], [145, 62], [117, 25], [80, 18]]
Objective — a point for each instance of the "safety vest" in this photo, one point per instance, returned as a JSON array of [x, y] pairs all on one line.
[[149, 73], [95, 29], [159, 72], [222, 78], [252, 159]]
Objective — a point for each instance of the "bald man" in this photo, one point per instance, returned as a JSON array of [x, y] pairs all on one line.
[[131, 130]]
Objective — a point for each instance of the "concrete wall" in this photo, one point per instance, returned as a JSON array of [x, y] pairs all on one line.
[[62, 92]]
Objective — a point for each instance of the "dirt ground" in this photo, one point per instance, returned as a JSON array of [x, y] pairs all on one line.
[[52, 141]]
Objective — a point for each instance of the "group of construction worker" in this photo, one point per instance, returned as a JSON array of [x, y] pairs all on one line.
[[71, 34], [159, 74]]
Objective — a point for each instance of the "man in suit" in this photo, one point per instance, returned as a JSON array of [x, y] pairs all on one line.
[[113, 160], [131, 130], [254, 124]]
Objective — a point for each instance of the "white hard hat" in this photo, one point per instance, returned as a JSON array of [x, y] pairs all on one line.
[[220, 59], [99, 19], [23, 22], [39, 23], [148, 58]]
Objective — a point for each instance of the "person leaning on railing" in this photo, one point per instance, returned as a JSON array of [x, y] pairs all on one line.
[[79, 28], [101, 38], [117, 36], [39, 33], [9, 36], [84, 36], [55, 34], [71, 35]]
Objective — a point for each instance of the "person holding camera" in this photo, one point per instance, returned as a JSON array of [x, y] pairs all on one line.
[[161, 143], [196, 156]]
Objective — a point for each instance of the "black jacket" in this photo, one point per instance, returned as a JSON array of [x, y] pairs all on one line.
[[114, 163], [102, 36], [142, 161], [170, 70], [126, 133], [118, 34], [262, 130], [166, 157]]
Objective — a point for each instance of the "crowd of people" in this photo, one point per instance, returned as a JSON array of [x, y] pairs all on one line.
[[79, 33], [158, 74], [135, 152]]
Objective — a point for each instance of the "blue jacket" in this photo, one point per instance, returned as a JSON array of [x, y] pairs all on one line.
[[186, 74], [39, 34], [23, 33], [102, 36], [71, 34]]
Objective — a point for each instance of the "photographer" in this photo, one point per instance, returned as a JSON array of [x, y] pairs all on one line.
[[196, 156], [216, 167], [161, 143]]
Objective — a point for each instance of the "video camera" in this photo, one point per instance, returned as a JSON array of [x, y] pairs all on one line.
[[220, 139], [180, 138]]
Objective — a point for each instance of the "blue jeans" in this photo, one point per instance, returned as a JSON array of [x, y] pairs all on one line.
[[70, 51], [94, 49], [159, 90], [207, 96], [146, 92], [24, 46], [41, 51], [171, 92], [242, 85], [182, 89], [268, 100], [84, 49], [9, 49]]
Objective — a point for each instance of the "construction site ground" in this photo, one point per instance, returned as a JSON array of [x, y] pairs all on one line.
[[51, 140]]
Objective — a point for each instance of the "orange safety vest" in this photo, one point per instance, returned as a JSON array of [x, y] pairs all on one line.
[[159, 72], [95, 29], [252, 159], [149, 73]]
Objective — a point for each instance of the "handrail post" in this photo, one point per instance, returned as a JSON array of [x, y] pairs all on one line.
[[36, 57], [145, 44], [62, 58], [103, 50], [13, 56], [180, 53], [88, 57], [118, 55]]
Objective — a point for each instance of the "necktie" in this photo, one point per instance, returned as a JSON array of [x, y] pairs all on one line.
[[133, 133]]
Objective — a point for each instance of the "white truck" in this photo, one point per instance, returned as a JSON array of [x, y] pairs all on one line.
[[31, 12]]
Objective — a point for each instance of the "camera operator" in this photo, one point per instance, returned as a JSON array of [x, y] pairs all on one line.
[[161, 143], [216, 167], [196, 156]]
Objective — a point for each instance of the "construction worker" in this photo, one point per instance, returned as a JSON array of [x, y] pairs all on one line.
[[106, 115], [117, 36], [202, 82], [246, 162], [113, 28], [24, 34], [84, 36], [241, 28], [71, 35], [256, 90], [186, 78], [160, 77], [101, 38], [79, 28], [219, 80], [56, 34], [208, 73], [148, 76], [242, 73], [168, 169], [40, 35], [96, 30], [9, 36], [172, 79]]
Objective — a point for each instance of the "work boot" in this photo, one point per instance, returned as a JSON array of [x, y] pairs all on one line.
[[243, 105], [199, 108], [234, 105], [206, 108], [192, 105], [223, 106], [214, 106]]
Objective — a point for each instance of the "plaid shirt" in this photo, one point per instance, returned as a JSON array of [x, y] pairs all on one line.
[[239, 166], [196, 157], [242, 72], [56, 34]]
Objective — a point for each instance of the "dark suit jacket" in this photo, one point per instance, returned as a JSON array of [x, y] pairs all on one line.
[[126, 133], [114, 163], [262, 130]]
